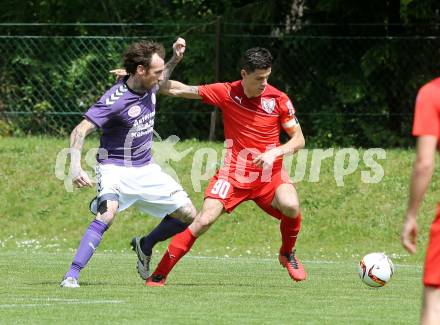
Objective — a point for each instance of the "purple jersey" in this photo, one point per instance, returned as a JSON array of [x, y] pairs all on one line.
[[126, 119]]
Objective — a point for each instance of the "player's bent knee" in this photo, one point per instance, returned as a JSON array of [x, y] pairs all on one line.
[[290, 210], [107, 217], [186, 213], [106, 212]]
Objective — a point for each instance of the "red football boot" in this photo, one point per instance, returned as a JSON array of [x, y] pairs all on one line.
[[293, 266], [156, 280]]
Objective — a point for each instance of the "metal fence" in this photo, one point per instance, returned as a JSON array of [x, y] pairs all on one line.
[[47, 82], [344, 87]]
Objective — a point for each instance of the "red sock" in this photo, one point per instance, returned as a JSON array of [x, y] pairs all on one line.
[[178, 247], [289, 228]]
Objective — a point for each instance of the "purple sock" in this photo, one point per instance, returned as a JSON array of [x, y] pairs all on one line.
[[87, 247]]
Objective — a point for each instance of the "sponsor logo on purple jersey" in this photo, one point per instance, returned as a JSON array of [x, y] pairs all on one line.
[[126, 120]]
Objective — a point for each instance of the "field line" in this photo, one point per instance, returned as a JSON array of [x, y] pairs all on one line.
[[274, 259], [237, 258], [64, 301]]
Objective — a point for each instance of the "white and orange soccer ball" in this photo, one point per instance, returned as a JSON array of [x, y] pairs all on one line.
[[375, 269]]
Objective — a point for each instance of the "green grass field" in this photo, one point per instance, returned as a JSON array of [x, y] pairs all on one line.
[[245, 290], [232, 274]]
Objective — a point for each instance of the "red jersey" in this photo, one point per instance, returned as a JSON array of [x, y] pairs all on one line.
[[427, 113], [251, 126], [427, 122]]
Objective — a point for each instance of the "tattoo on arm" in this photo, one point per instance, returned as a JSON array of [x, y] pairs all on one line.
[[76, 144], [178, 89], [77, 139], [190, 92], [169, 67], [193, 89]]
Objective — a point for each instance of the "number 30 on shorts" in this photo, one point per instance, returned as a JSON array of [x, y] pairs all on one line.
[[221, 188]]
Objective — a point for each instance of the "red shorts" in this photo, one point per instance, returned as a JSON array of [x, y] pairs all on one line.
[[431, 275], [262, 194]]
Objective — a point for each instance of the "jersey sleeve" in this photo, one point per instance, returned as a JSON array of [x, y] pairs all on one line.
[[100, 113], [214, 94], [107, 106], [426, 116], [289, 122]]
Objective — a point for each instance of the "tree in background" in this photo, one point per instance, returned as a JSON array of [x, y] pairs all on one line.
[[352, 68]]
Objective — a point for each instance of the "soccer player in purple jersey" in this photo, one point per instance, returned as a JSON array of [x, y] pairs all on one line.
[[125, 172]]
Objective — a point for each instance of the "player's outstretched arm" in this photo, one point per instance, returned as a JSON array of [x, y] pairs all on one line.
[[178, 89], [179, 47], [421, 176], [77, 138], [119, 73]]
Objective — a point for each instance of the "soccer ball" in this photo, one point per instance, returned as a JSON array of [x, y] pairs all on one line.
[[375, 269]]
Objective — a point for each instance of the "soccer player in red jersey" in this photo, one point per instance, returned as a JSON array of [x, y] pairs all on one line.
[[427, 130], [254, 113]]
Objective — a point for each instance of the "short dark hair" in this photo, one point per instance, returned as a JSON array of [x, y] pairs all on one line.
[[140, 53], [256, 58]]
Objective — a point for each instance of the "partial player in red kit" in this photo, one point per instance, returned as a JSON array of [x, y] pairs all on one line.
[[427, 130], [254, 114]]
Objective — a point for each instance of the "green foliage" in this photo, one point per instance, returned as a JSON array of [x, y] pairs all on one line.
[[352, 68], [6, 129]]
